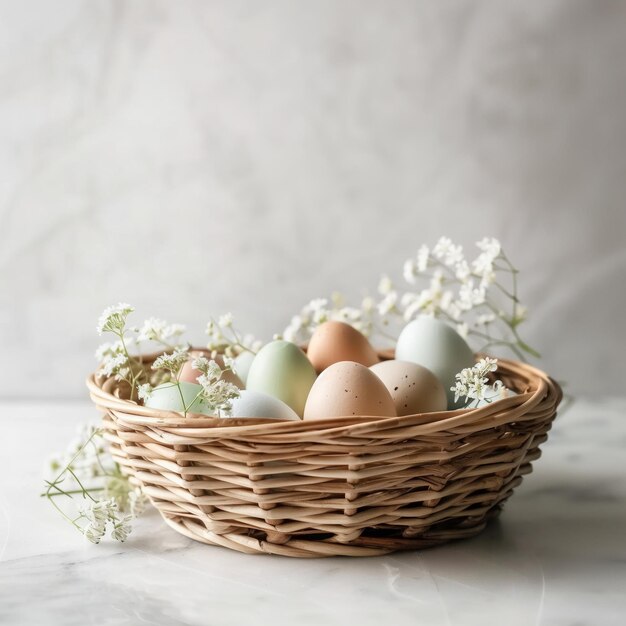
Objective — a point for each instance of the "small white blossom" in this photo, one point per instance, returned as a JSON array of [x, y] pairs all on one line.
[[226, 320], [155, 329], [368, 304], [462, 329], [385, 285], [490, 246], [137, 502], [470, 296], [447, 252], [94, 532], [113, 318], [112, 364], [144, 391], [172, 362], [472, 382], [409, 271], [388, 303], [122, 528], [462, 271], [423, 255]]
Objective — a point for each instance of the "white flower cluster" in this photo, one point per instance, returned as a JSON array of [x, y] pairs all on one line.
[[113, 318], [101, 514], [450, 268], [87, 469], [217, 394], [224, 337], [172, 362], [466, 294], [321, 310], [113, 360], [155, 329], [473, 382]]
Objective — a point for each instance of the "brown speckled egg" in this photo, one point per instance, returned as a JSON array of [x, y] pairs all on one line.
[[348, 388], [190, 375], [414, 389], [333, 342]]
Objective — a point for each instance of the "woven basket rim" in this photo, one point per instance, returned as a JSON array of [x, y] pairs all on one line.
[[538, 385]]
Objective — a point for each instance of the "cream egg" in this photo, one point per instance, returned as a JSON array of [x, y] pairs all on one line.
[[348, 388], [413, 388]]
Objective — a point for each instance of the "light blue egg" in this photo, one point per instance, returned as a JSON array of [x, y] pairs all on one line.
[[243, 362], [438, 347], [258, 404], [282, 370], [181, 397]]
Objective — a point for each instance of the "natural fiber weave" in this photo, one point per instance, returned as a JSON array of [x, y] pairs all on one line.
[[354, 486]]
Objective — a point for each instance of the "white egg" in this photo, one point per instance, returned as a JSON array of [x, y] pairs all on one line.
[[435, 345], [259, 404]]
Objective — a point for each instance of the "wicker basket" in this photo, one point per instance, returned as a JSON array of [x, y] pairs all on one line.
[[353, 486]]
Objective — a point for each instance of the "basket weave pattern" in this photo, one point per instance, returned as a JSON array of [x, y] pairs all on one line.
[[354, 486]]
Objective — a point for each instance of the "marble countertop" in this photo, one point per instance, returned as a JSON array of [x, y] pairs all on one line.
[[556, 556]]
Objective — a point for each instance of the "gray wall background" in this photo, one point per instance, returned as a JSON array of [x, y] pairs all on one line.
[[197, 157]]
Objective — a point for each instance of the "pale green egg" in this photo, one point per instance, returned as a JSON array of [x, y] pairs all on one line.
[[182, 397], [282, 370], [433, 344]]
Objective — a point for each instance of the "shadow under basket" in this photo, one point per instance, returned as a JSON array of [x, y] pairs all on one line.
[[351, 486]]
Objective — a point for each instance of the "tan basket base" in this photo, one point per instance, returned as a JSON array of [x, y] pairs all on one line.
[[302, 547]]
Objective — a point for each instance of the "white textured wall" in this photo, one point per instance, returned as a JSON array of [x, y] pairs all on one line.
[[195, 157]]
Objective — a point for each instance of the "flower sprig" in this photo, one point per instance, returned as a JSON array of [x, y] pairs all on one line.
[[478, 297], [472, 383], [215, 394], [108, 501], [224, 338], [320, 310]]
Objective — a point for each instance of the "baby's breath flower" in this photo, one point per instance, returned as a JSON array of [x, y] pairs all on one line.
[[144, 391], [385, 285], [423, 256], [472, 382], [462, 271], [368, 304], [113, 364], [155, 329], [172, 362], [113, 318], [470, 296], [447, 252], [409, 271], [490, 246], [101, 511], [94, 532], [137, 502], [122, 528], [109, 349], [388, 303], [226, 320]]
